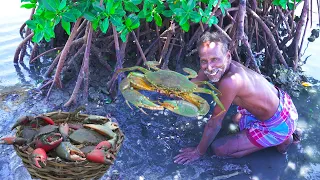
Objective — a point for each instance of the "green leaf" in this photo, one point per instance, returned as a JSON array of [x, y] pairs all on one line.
[[37, 37], [195, 16], [213, 20], [76, 13], [136, 2], [132, 22], [96, 6], [186, 26], [56, 20], [50, 5], [179, 11], [31, 24], [66, 26], [185, 6], [158, 19], [129, 6], [191, 4], [49, 15], [184, 19], [69, 17], [115, 20], [201, 12], [123, 35], [291, 6], [110, 9], [149, 17], [89, 16], [141, 15], [104, 25], [62, 5], [28, 6], [95, 23]]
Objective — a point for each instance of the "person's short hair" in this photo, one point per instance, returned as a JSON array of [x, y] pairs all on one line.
[[214, 37]]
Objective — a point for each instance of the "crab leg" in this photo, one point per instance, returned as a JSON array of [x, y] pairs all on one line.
[[208, 84], [201, 103], [215, 98], [181, 107], [135, 97], [191, 72], [13, 140]]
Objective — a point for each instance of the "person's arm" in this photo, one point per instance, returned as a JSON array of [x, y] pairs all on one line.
[[229, 91]]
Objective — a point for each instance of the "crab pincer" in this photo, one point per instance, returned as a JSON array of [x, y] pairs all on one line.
[[101, 156], [69, 152], [13, 140], [32, 121], [48, 141], [104, 145], [39, 155], [23, 120]]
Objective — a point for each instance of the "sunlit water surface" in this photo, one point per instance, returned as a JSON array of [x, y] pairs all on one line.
[[152, 141]]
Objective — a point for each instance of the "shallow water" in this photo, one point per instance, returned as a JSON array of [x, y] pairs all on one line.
[[152, 141]]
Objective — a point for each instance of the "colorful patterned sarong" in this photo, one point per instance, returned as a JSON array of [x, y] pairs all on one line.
[[275, 130]]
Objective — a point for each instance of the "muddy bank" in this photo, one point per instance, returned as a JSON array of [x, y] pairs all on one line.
[[151, 142]]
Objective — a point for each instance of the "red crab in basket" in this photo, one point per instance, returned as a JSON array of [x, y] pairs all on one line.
[[102, 153], [48, 141], [39, 155], [32, 121]]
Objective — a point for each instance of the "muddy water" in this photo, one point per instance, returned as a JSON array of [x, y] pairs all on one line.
[[151, 141]]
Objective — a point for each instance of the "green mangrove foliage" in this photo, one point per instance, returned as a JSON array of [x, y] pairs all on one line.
[[125, 15]]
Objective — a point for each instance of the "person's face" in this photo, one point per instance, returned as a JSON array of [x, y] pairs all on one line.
[[213, 61]]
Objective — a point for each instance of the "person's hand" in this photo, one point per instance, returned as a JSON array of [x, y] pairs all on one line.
[[187, 155]]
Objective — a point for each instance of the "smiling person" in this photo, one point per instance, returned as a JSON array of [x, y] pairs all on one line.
[[266, 114]]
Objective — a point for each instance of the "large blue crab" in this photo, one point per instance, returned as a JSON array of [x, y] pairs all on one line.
[[170, 83]]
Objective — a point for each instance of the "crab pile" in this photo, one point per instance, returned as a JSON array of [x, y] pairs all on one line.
[[93, 139]]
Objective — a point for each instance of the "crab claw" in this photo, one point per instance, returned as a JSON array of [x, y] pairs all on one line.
[[104, 145], [48, 141], [46, 119], [39, 155], [102, 129], [101, 156], [40, 120], [13, 140], [23, 120], [64, 130], [69, 152]]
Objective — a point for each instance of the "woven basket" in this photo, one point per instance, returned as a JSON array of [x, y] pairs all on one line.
[[63, 170]]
